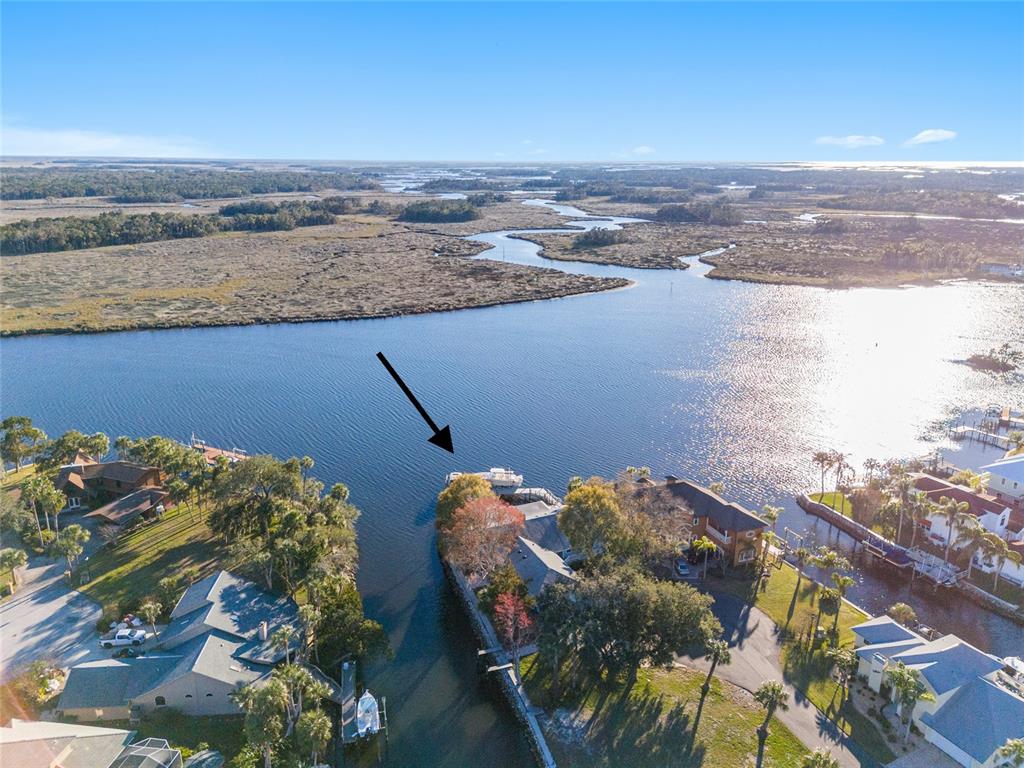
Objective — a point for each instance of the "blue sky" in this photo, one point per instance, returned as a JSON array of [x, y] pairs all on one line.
[[530, 82]]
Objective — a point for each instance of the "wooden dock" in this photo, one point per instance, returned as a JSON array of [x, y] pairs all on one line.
[[349, 727], [878, 546]]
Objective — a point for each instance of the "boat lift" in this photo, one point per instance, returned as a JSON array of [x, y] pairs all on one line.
[[364, 717]]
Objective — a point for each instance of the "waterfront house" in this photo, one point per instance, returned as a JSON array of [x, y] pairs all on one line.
[[966, 684], [89, 482], [1006, 479], [31, 744], [537, 566], [993, 514], [733, 528], [143, 504], [219, 639]]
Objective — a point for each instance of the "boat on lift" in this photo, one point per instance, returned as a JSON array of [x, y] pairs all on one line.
[[367, 715]]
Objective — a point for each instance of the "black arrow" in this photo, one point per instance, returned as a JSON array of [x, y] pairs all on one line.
[[442, 438]]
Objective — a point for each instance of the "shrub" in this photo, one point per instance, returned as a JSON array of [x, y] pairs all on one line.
[[598, 238]]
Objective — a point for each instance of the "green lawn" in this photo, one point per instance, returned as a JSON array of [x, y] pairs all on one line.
[[652, 725], [130, 571], [1007, 590], [223, 733], [835, 500], [807, 669], [12, 479]]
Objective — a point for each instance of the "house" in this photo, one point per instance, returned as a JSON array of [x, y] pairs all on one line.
[[541, 527], [144, 503], [92, 482], [733, 528], [219, 639], [966, 685], [1006, 478], [28, 744], [993, 514], [538, 567]]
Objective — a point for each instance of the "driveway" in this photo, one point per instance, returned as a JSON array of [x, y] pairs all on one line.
[[46, 620], [751, 635]]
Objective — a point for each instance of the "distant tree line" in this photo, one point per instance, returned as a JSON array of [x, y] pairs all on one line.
[[439, 211], [703, 211], [117, 228], [947, 202], [487, 198], [167, 184], [597, 238]]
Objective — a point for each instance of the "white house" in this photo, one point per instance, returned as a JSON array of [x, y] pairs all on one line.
[[993, 514], [1007, 478], [966, 685]]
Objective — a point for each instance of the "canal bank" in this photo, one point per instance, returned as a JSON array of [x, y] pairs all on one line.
[[714, 380]]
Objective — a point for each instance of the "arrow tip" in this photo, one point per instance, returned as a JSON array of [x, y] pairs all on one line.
[[443, 439]]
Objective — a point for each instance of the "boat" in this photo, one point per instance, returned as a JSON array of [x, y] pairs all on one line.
[[367, 715], [502, 480]]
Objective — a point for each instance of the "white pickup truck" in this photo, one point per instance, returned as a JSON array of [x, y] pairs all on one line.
[[123, 637]]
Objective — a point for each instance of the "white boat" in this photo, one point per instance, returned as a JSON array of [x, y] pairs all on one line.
[[367, 715], [499, 478]]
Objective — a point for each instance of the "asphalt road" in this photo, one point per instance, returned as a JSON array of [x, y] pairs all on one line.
[[751, 635]]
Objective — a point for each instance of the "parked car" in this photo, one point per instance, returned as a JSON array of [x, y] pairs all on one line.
[[122, 637], [682, 568]]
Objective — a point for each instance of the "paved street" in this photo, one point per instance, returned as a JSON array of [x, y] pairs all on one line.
[[46, 620], [755, 658]]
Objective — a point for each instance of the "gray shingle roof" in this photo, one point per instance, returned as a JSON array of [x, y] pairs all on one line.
[[948, 663], [725, 515], [537, 566], [542, 529], [979, 718], [883, 629], [888, 650], [113, 682], [233, 605], [31, 744]]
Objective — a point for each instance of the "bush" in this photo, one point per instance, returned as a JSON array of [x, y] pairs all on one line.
[[440, 211], [598, 238], [715, 211]]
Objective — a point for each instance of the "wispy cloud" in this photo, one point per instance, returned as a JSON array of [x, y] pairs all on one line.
[[72, 142], [930, 136], [538, 151], [643, 149], [850, 142]]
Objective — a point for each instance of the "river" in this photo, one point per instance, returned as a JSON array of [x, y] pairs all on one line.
[[709, 379]]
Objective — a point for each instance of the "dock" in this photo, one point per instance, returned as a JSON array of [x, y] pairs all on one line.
[[349, 728], [878, 546], [981, 436]]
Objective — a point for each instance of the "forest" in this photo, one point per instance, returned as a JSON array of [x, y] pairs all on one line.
[[440, 211], [163, 185], [74, 232]]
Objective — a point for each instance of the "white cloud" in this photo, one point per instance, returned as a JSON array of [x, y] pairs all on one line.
[[930, 136], [538, 151], [72, 142], [643, 149], [850, 142], [526, 142]]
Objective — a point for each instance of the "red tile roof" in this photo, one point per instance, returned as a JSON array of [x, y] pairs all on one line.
[[979, 504]]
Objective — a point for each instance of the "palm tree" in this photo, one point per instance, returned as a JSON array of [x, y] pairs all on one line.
[[972, 537], [313, 732], [802, 556], [11, 560], [704, 546], [282, 640], [819, 758], [717, 653], [900, 488], [1012, 752], [824, 461], [843, 471], [921, 508], [997, 548], [870, 467], [150, 610], [771, 514], [906, 684], [842, 584], [845, 661], [772, 696], [954, 513]]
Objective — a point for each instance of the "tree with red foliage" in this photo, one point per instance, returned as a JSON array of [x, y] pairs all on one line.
[[514, 624], [480, 535]]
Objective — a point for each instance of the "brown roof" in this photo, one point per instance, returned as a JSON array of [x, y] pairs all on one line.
[[127, 508], [979, 504]]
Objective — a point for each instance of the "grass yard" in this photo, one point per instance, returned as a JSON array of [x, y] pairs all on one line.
[[835, 500], [223, 733], [652, 725], [1007, 590], [130, 571], [16, 478], [794, 610]]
